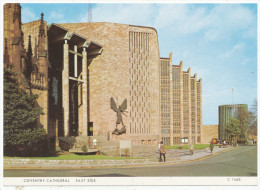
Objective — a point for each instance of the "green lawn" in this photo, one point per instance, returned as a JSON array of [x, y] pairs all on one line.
[[186, 147], [75, 157]]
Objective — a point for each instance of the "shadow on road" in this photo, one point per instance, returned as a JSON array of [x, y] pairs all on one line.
[[237, 166], [253, 174]]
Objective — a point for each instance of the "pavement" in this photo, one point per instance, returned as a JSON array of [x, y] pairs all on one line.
[[172, 157]]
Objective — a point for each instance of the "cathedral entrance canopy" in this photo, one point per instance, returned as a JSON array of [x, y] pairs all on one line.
[[69, 53], [57, 34]]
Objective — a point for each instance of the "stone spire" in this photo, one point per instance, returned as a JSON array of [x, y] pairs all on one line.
[[42, 52], [41, 43], [41, 27], [42, 62]]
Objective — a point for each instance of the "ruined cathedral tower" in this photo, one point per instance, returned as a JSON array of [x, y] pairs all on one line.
[[25, 52], [14, 52]]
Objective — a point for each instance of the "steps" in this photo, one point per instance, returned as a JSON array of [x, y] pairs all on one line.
[[104, 146], [109, 148]]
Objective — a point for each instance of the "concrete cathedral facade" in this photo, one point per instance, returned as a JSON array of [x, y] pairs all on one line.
[[77, 68], [181, 104]]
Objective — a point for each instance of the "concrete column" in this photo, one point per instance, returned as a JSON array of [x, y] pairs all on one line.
[[189, 87], [75, 63], [85, 91], [171, 100], [65, 88], [181, 100], [195, 106], [199, 134]]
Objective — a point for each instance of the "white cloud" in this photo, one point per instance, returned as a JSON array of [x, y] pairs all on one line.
[[181, 19], [28, 15], [121, 13], [245, 62], [236, 50], [215, 23], [220, 22], [58, 16], [226, 20]]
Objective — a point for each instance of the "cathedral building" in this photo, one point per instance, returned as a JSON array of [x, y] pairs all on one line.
[[122, 62], [78, 69], [181, 104]]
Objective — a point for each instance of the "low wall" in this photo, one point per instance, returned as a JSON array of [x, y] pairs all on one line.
[[208, 132]]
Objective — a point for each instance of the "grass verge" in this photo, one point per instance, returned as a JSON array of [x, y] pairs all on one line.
[[74, 157], [186, 147]]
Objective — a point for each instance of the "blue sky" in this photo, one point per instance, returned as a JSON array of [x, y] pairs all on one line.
[[218, 41]]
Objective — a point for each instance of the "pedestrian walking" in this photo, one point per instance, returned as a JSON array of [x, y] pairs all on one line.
[[159, 145], [162, 152], [89, 142], [191, 147], [211, 146]]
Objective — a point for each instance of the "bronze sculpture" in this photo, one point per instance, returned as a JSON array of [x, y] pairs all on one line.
[[119, 111]]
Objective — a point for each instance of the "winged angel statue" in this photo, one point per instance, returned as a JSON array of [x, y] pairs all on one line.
[[119, 111]]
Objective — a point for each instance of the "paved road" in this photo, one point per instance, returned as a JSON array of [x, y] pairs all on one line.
[[241, 161]]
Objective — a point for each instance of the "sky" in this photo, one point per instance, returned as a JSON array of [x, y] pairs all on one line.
[[217, 41]]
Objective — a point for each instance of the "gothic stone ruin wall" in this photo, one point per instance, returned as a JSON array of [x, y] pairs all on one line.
[[128, 68], [13, 40], [32, 29]]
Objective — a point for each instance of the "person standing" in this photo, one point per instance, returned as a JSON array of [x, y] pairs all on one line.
[[89, 142], [211, 146], [94, 143], [159, 145], [191, 147], [162, 151]]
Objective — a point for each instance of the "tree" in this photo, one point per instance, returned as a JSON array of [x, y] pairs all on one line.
[[243, 117], [252, 120], [254, 107], [233, 128], [21, 129], [252, 123]]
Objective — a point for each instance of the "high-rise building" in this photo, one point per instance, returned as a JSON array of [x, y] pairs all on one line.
[[181, 104], [225, 113]]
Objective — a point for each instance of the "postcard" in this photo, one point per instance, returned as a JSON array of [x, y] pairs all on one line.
[[130, 94]]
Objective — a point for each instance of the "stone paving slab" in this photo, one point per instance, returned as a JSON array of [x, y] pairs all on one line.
[[172, 156]]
